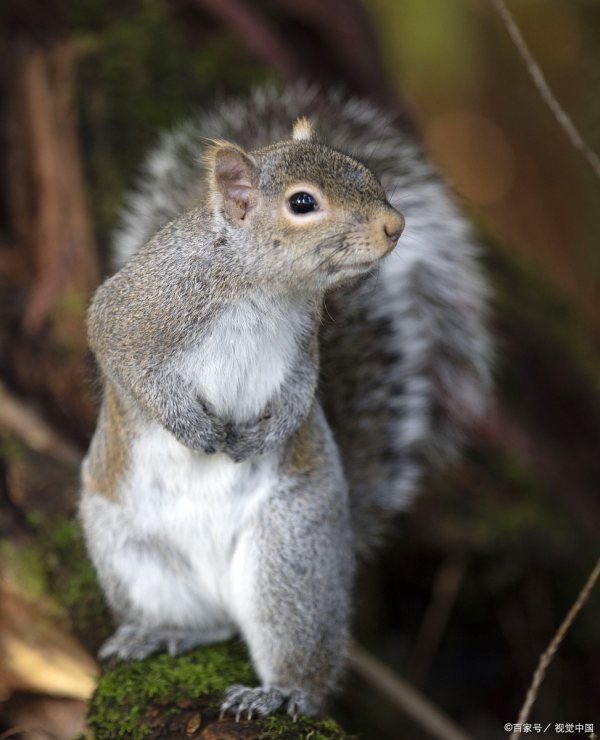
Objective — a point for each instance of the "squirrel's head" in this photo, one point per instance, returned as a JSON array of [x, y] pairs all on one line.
[[307, 211]]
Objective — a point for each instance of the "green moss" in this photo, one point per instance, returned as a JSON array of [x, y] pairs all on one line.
[[279, 727], [57, 565], [11, 449], [73, 581], [131, 695], [68, 548], [127, 691], [27, 569]]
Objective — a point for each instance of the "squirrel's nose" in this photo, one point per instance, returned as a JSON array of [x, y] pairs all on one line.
[[393, 226]]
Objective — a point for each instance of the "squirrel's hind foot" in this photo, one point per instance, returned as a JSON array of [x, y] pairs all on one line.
[[134, 642], [246, 702]]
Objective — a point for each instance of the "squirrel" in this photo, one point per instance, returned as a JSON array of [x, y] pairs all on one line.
[[273, 388]]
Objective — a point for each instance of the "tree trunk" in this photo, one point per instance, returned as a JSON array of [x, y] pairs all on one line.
[[48, 263]]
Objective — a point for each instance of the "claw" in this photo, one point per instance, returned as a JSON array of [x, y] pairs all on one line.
[[244, 702]]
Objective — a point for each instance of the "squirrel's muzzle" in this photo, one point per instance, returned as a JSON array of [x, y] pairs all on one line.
[[393, 224]]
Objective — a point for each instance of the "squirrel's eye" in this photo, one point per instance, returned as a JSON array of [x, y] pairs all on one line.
[[303, 203]]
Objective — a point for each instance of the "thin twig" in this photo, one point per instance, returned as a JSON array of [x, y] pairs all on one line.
[[540, 82], [546, 657], [404, 696], [21, 421]]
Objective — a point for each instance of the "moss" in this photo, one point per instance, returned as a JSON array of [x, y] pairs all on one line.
[[135, 700], [11, 449], [25, 567], [127, 691], [73, 581], [79, 581], [55, 565], [281, 728]]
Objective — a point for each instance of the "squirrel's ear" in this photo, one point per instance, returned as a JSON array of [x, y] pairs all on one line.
[[233, 178], [303, 130]]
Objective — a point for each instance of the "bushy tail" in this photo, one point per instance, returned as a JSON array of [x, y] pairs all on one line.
[[405, 355]]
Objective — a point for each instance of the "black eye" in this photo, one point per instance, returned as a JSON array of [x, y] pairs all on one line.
[[303, 203]]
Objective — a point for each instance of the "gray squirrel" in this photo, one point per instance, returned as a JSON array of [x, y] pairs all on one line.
[[272, 390]]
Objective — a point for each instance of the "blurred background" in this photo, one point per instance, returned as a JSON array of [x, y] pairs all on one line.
[[481, 572]]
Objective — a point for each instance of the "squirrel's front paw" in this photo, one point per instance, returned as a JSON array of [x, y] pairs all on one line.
[[200, 430], [236, 446], [244, 442], [246, 702]]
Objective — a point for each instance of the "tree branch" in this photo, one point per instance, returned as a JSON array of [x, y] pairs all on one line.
[[540, 82], [548, 654], [404, 696]]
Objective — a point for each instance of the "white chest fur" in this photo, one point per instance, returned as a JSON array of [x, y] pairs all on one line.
[[244, 359], [184, 513]]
